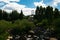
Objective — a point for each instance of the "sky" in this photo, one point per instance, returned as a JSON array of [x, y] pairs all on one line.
[[27, 5]]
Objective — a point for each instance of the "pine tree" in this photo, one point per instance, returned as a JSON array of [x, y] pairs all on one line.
[[56, 13], [5, 15], [14, 15], [21, 15], [0, 14]]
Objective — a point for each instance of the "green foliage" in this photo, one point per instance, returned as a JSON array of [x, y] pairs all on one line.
[[21, 15], [5, 15], [48, 18], [18, 27], [4, 26], [14, 15], [15, 23], [56, 24], [0, 14], [22, 24], [43, 23], [4, 36], [56, 13]]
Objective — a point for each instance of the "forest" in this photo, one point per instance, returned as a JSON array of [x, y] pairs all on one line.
[[45, 21]]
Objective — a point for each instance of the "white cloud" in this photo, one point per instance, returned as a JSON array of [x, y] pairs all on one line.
[[12, 5], [8, 11], [15, 6], [55, 2], [14, 0], [40, 4], [28, 11], [8, 1]]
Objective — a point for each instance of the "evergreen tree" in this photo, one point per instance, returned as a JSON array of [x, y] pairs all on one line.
[[14, 15], [36, 16], [49, 12], [56, 13], [0, 14], [5, 15], [21, 15], [41, 12]]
